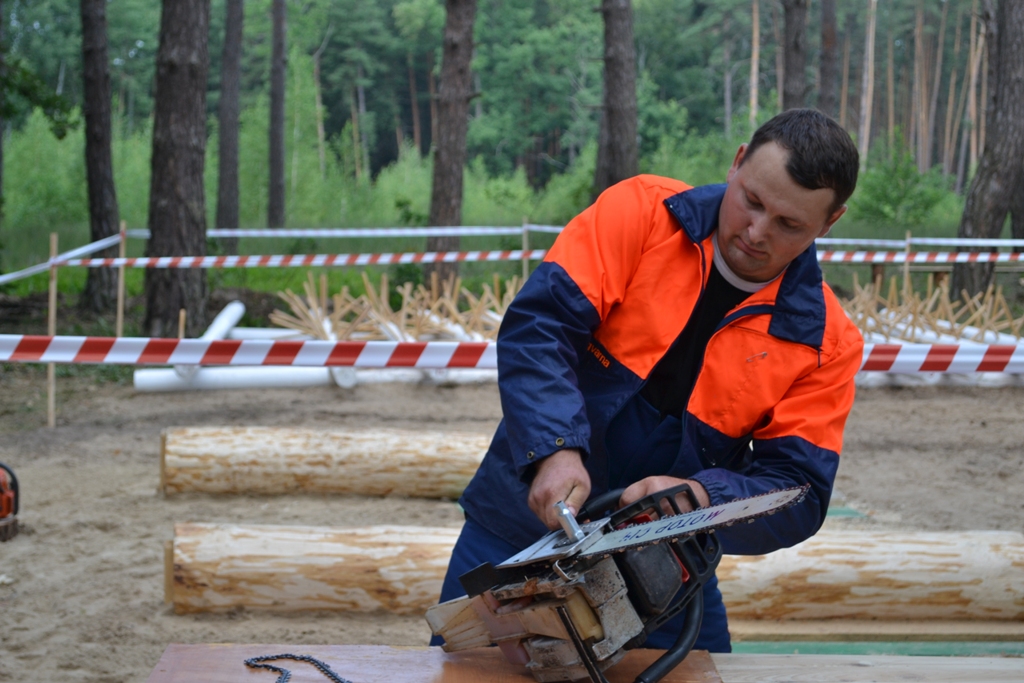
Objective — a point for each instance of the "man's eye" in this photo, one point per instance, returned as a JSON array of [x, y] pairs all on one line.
[[754, 203]]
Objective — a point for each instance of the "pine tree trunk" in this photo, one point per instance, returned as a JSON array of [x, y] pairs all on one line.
[[620, 159], [996, 187], [177, 205], [417, 136], [952, 116], [794, 85], [933, 105], [321, 136], [972, 92], [890, 92], [867, 91], [101, 283], [364, 135], [844, 91], [920, 88], [829, 68], [227, 117], [727, 75], [432, 96], [278, 63], [780, 55], [755, 62], [454, 93]]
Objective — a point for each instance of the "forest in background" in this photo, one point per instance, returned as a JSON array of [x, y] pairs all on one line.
[[533, 123]]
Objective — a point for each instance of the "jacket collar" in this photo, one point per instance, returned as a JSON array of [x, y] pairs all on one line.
[[799, 312]]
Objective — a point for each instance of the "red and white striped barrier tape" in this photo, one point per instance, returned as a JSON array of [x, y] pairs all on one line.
[[953, 358], [303, 260], [893, 358], [919, 257], [306, 260], [143, 351]]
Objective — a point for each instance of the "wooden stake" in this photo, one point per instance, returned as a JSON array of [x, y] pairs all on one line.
[[119, 321], [906, 267], [51, 330], [181, 323]]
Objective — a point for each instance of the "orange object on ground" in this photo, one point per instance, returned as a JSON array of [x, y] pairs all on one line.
[[8, 503]]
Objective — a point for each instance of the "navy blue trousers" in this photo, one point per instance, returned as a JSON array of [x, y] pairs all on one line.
[[477, 545]]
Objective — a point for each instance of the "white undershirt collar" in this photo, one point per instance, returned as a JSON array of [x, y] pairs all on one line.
[[731, 277]]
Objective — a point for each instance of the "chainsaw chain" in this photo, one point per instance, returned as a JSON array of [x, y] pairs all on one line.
[[639, 545], [285, 674]]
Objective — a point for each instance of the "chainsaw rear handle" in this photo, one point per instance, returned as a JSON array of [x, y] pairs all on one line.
[[14, 485], [608, 501], [675, 655]]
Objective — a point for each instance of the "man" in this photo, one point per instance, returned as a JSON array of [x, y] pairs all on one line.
[[679, 334]]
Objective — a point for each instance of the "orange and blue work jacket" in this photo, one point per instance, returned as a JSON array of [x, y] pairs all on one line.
[[576, 346]]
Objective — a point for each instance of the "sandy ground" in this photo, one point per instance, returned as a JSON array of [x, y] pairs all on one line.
[[81, 589]]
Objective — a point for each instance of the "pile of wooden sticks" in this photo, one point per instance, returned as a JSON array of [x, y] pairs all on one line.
[[443, 311], [935, 316]]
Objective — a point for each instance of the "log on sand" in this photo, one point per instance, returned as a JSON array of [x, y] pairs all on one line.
[[882, 575], [216, 567], [272, 460], [849, 575]]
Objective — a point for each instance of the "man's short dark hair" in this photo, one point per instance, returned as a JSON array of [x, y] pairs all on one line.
[[821, 153]]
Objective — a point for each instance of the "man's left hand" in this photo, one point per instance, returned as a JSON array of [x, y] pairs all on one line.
[[646, 487]]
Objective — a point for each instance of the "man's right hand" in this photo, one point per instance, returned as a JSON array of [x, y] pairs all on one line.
[[560, 476]]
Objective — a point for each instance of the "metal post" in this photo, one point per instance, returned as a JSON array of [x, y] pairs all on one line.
[[526, 248], [51, 330], [119, 321]]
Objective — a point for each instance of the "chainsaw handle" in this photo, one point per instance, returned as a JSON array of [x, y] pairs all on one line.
[[609, 500], [604, 502]]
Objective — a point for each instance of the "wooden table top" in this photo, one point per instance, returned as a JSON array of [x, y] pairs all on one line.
[[223, 663], [382, 664]]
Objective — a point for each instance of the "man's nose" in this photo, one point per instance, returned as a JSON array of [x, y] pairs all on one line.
[[758, 230]]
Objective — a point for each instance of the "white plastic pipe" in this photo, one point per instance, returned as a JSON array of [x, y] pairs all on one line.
[[225, 321], [266, 333], [166, 379]]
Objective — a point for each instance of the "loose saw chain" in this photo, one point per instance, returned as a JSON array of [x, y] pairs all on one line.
[[285, 674]]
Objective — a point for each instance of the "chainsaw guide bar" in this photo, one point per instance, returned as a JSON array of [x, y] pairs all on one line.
[[557, 545]]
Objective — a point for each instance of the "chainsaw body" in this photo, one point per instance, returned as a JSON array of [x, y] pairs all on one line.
[[8, 503], [567, 615]]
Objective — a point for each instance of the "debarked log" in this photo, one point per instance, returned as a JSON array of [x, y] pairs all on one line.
[[852, 575], [272, 460], [217, 567], [882, 575]]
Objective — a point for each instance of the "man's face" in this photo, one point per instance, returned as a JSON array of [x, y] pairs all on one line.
[[767, 219]]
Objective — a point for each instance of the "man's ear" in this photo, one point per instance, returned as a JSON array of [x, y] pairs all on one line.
[[832, 220], [736, 161]]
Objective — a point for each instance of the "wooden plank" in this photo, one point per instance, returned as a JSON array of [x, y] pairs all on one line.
[[391, 568], [866, 669], [862, 630], [883, 575], [275, 460], [377, 664]]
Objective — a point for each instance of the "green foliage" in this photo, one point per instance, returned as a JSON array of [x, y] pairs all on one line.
[[44, 188], [895, 193]]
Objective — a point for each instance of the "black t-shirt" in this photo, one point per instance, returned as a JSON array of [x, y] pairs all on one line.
[[671, 381]]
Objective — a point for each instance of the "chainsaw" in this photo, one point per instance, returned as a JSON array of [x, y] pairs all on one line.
[[8, 503], [570, 605]]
